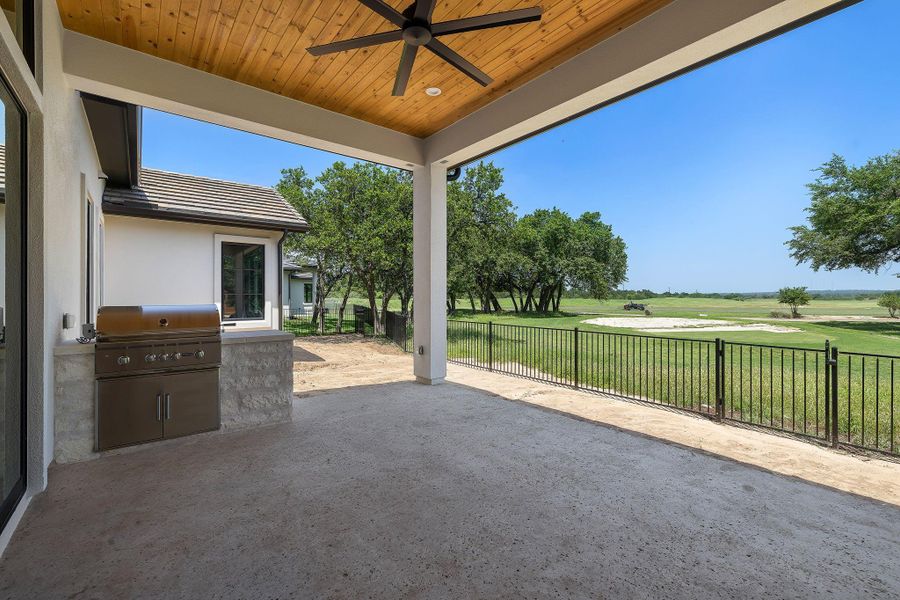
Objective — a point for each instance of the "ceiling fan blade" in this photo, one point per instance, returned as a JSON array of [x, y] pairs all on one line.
[[510, 17], [424, 8], [405, 69], [354, 43], [450, 55], [385, 10]]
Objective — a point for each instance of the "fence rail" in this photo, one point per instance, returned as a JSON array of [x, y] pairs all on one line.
[[842, 398], [304, 324]]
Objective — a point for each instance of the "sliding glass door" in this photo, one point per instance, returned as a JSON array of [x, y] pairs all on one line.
[[13, 180]]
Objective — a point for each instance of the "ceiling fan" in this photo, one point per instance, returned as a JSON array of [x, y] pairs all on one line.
[[416, 29]]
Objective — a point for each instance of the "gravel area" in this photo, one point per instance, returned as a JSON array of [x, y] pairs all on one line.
[[675, 324]]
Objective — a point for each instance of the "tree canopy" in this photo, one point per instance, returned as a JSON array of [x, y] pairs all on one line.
[[360, 234], [361, 239], [794, 297], [532, 259], [854, 216], [890, 301]]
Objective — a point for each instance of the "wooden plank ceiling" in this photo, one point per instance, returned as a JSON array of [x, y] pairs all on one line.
[[263, 43]]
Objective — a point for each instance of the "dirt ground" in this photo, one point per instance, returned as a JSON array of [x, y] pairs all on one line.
[[330, 363]]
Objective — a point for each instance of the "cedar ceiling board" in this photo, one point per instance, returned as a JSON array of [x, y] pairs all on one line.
[[522, 76], [168, 27], [263, 43]]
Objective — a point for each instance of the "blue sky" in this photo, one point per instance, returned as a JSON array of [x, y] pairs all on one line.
[[701, 176]]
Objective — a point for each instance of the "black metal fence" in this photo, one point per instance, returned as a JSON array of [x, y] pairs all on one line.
[[357, 319], [304, 324], [842, 398], [398, 328]]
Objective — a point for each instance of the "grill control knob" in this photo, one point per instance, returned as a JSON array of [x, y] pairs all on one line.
[[177, 356], [200, 354], [123, 360], [165, 357], [150, 358]]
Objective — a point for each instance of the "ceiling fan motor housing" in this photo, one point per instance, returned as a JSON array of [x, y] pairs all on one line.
[[416, 34]]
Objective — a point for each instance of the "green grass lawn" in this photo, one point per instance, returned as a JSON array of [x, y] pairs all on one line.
[[874, 337], [771, 387], [782, 387]]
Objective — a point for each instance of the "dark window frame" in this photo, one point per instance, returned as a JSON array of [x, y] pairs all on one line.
[[262, 272], [89, 259], [9, 503]]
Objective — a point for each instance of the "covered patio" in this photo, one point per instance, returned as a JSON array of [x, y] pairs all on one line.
[[396, 490], [388, 489]]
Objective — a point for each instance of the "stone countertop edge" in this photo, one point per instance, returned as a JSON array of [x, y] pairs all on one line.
[[67, 347], [252, 337]]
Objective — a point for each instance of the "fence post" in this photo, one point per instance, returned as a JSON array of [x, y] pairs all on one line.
[[720, 379], [575, 340], [827, 390], [490, 345], [834, 397]]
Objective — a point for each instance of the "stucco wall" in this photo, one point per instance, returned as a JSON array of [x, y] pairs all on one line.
[[74, 172], [151, 261]]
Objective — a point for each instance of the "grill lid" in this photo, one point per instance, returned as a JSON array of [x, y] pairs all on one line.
[[177, 320]]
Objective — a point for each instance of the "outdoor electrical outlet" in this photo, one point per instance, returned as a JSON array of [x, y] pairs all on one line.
[[68, 320], [88, 331]]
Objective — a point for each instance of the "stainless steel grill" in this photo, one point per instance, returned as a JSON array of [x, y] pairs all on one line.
[[157, 370]]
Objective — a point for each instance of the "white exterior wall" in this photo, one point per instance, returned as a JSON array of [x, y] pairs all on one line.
[[73, 171], [293, 296], [152, 261]]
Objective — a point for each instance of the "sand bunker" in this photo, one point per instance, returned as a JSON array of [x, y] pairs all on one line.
[[674, 324]]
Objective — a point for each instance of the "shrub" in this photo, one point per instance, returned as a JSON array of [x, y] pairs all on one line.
[[648, 313], [890, 301], [778, 314]]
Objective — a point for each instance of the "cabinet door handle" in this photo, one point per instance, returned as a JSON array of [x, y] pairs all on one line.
[[159, 407], [168, 406]]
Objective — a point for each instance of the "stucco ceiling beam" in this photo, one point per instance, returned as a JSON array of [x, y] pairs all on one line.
[[120, 73]]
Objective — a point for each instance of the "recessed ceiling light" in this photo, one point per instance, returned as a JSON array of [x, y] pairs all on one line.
[[433, 91]]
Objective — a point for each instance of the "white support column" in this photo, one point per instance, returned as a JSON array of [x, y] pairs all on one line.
[[430, 273]]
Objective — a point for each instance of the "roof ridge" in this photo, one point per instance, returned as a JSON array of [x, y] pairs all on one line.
[[216, 179]]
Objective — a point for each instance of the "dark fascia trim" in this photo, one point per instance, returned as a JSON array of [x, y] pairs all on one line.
[[820, 14], [132, 127], [29, 37], [112, 208]]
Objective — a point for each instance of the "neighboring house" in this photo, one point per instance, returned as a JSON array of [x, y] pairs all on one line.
[[183, 239], [299, 287]]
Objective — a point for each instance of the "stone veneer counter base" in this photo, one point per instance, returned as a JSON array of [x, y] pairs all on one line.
[[255, 388]]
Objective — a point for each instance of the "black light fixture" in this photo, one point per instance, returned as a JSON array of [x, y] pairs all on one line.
[[416, 30]]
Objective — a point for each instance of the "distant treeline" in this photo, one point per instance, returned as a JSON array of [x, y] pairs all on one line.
[[815, 294]]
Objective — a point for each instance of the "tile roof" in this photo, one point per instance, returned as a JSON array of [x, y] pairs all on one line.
[[166, 195]]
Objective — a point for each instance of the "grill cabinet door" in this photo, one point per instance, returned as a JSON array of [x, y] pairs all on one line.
[[191, 402], [128, 411]]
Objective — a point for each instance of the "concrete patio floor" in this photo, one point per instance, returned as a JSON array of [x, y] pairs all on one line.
[[398, 490]]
